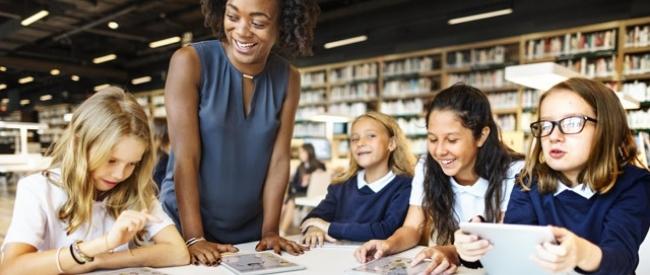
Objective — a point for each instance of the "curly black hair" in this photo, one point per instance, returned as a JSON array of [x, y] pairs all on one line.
[[297, 22]]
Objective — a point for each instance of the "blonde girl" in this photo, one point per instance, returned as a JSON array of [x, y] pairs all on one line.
[[96, 201], [369, 201]]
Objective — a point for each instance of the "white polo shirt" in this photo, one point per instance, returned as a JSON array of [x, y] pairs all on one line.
[[35, 217], [469, 201]]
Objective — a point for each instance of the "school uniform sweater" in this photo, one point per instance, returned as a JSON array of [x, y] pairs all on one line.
[[617, 221], [359, 213]]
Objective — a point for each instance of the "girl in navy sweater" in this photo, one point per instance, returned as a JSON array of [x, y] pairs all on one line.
[[582, 179], [369, 201]]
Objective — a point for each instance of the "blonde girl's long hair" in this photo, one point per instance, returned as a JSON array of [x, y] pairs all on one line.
[[401, 161], [98, 125]]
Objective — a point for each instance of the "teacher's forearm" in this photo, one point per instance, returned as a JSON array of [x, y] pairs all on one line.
[[187, 197], [274, 189]]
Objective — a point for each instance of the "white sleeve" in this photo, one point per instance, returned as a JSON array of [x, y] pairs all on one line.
[[154, 228], [509, 180], [28, 221], [417, 185]]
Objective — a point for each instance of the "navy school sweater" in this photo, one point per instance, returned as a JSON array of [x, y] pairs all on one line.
[[361, 214], [617, 221]]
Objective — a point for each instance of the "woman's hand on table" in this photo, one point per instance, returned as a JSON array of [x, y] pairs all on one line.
[[278, 244], [209, 253], [371, 250], [439, 264]]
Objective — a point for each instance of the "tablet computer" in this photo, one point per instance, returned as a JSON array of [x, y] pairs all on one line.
[[391, 265], [512, 246], [258, 263]]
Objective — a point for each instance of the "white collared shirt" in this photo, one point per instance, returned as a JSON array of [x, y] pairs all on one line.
[[377, 185], [580, 189], [469, 200]]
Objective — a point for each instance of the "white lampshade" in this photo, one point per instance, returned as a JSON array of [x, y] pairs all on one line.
[[540, 76]]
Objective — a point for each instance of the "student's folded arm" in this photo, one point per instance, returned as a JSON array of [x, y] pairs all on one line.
[[326, 209], [168, 250], [625, 227]]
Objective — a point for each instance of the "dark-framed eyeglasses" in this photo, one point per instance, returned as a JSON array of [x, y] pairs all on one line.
[[567, 125]]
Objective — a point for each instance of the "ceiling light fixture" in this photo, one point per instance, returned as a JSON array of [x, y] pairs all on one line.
[[141, 80], [5, 100], [25, 80], [105, 58], [479, 16], [165, 42], [3, 86], [37, 16], [74, 77], [346, 41], [3, 69], [100, 87], [55, 72], [113, 25], [46, 97], [24, 102]]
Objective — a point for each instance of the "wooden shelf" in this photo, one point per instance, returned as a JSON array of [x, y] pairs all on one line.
[[353, 81], [353, 100], [314, 86], [504, 111], [407, 115], [412, 74], [498, 89], [629, 77], [311, 104], [632, 50], [409, 96]]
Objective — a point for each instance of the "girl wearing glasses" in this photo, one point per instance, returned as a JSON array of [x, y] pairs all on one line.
[[468, 172], [582, 179]]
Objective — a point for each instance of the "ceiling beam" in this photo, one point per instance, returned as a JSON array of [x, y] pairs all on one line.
[[45, 66]]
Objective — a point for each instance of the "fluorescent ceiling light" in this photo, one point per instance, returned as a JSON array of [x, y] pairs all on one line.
[[479, 16], [540, 76], [100, 87], [329, 118], [55, 72], [37, 16], [113, 25], [46, 97], [104, 58], [141, 80], [25, 80], [24, 102], [165, 42], [74, 77], [3, 86], [346, 41], [5, 100], [3, 69]]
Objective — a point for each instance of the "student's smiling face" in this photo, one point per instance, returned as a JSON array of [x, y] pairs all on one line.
[[251, 29], [125, 156], [370, 143], [453, 145]]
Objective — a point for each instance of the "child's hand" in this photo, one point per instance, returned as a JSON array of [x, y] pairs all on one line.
[[372, 250], [470, 247], [315, 236], [565, 256], [440, 264], [127, 224], [315, 222]]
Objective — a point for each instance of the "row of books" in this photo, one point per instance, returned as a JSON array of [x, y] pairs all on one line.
[[598, 67], [482, 79], [571, 43], [639, 36], [636, 64], [406, 87], [408, 66], [477, 57], [355, 72]]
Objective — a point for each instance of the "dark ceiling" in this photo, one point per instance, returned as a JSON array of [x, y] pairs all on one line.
[[75, 32]]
